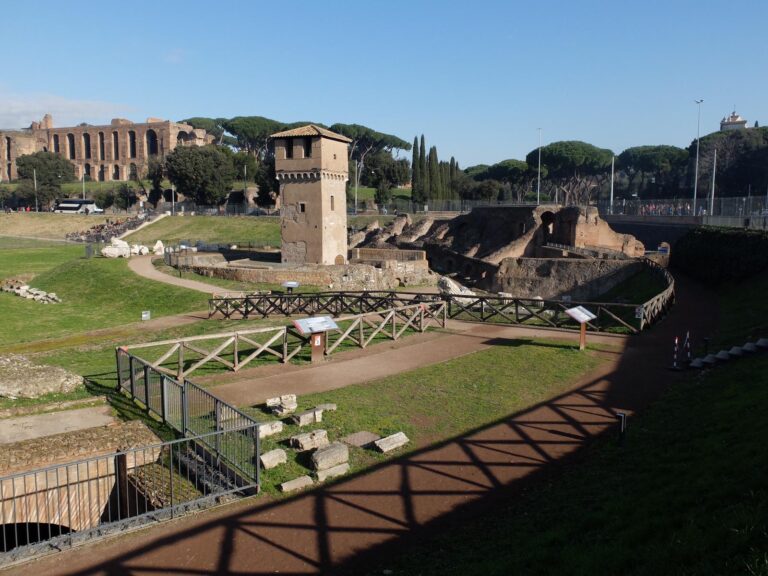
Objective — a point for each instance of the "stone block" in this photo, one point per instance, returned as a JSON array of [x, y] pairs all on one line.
[[330, 407], [330, 456], [273, 458], [392, 442], [270, 428], [308, 417], [360, 439], [284, 399], [323, 475], [284, 409], [296, 484], [310, 440]]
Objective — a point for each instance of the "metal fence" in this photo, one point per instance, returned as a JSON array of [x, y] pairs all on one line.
[[47, 508], [182, 405], [729, 207]]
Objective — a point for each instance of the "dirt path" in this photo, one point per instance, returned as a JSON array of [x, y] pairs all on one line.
[[142, 265], [340, 528], [356, 367]]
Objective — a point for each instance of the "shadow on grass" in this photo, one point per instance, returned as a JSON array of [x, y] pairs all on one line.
[[345, 526]]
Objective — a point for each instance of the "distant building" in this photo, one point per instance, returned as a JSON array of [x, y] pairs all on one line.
[[733, 122], [118, 151], [312, 167]]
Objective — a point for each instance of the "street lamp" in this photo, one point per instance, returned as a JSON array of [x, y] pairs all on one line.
[[696, 172], [538, 175]]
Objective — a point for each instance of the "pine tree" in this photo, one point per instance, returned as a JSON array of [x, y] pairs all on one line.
[[417, 192], [423, 172]]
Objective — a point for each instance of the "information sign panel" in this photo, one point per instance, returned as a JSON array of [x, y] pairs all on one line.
[[580, 314], [315, 324]]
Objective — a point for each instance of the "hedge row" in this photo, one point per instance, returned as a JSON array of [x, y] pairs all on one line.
[[719, 254]]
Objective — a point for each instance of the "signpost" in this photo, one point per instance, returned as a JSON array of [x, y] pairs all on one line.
[[582, 316], [316, 327]]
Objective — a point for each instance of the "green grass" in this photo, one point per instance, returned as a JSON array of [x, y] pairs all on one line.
[[96, 293], [19, 256], [635, 290], [743, 311], [687, 494], [256, 230], [430, 404]]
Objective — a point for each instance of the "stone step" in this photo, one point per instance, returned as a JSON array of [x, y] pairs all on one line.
[[323, 475], [330, 456]]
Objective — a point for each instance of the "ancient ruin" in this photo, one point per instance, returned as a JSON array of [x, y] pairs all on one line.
[[119, 150], [542, 251]]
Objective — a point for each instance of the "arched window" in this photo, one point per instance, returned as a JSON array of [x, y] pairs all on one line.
[[181, 138], [56, 146], [86, 145], [151, 138], [116, 172], [101, 145], [87, 171], [101, 173], [132, 144], [7, 148], [133, 173], [115, 146], [71, 146]]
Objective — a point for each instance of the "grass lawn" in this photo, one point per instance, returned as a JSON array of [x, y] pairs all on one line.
[[96, 293], [686, 494], [257, 230], [497, 380], [46, 224], [743, 311]]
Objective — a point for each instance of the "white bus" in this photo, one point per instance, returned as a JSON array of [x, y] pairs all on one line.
[[75, 206]]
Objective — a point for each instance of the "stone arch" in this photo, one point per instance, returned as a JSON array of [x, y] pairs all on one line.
[[71, 146], [102, 173], [7, 148], [339, 260], [133, 172], [101, 145], [115, 145], [548, 226], [151, 142], [116, 172], [24, 533], [86, 146], [87, 170], [56, 145], [181, 138], [131, 144]]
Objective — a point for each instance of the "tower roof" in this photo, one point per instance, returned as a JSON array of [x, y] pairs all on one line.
[[311, 130]]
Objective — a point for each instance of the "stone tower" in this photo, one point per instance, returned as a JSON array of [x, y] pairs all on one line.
[[312, 168]]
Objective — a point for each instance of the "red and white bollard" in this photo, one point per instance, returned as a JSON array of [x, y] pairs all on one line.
[[675, 365], [687, 347]]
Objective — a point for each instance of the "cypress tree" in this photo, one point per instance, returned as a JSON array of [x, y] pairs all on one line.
[[417, 194], [452, 179], [423, 172], [434, 175]]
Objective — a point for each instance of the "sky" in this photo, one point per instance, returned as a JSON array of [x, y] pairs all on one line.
[[478, 78]]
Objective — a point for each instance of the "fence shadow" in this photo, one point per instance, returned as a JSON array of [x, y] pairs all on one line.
[[343, 527]]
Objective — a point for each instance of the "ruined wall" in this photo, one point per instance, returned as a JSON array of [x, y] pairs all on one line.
[[553, 278], [348, 277]]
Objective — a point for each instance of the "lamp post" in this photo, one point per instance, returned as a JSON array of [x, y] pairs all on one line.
[[696, 172], [538, 174]]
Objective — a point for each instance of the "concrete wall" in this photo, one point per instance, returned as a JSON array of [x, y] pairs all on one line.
[[553, 278]]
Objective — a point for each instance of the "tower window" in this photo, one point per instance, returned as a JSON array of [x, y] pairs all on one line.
[[302, 207], [289, 148], [307, 147], [333, 204]]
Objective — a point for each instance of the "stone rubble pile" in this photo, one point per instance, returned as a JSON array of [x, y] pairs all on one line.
[[23, 290], [21, 378], [328, 459], [104, 232]]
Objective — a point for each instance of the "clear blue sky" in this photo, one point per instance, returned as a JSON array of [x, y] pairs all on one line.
[[476, 78]]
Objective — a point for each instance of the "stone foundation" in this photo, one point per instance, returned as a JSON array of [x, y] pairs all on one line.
[[553, 278]]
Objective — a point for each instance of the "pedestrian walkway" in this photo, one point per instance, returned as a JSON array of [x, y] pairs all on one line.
[[383, 360], [142, 265]]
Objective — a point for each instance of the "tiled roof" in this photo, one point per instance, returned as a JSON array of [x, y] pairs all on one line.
[[311, 130]]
